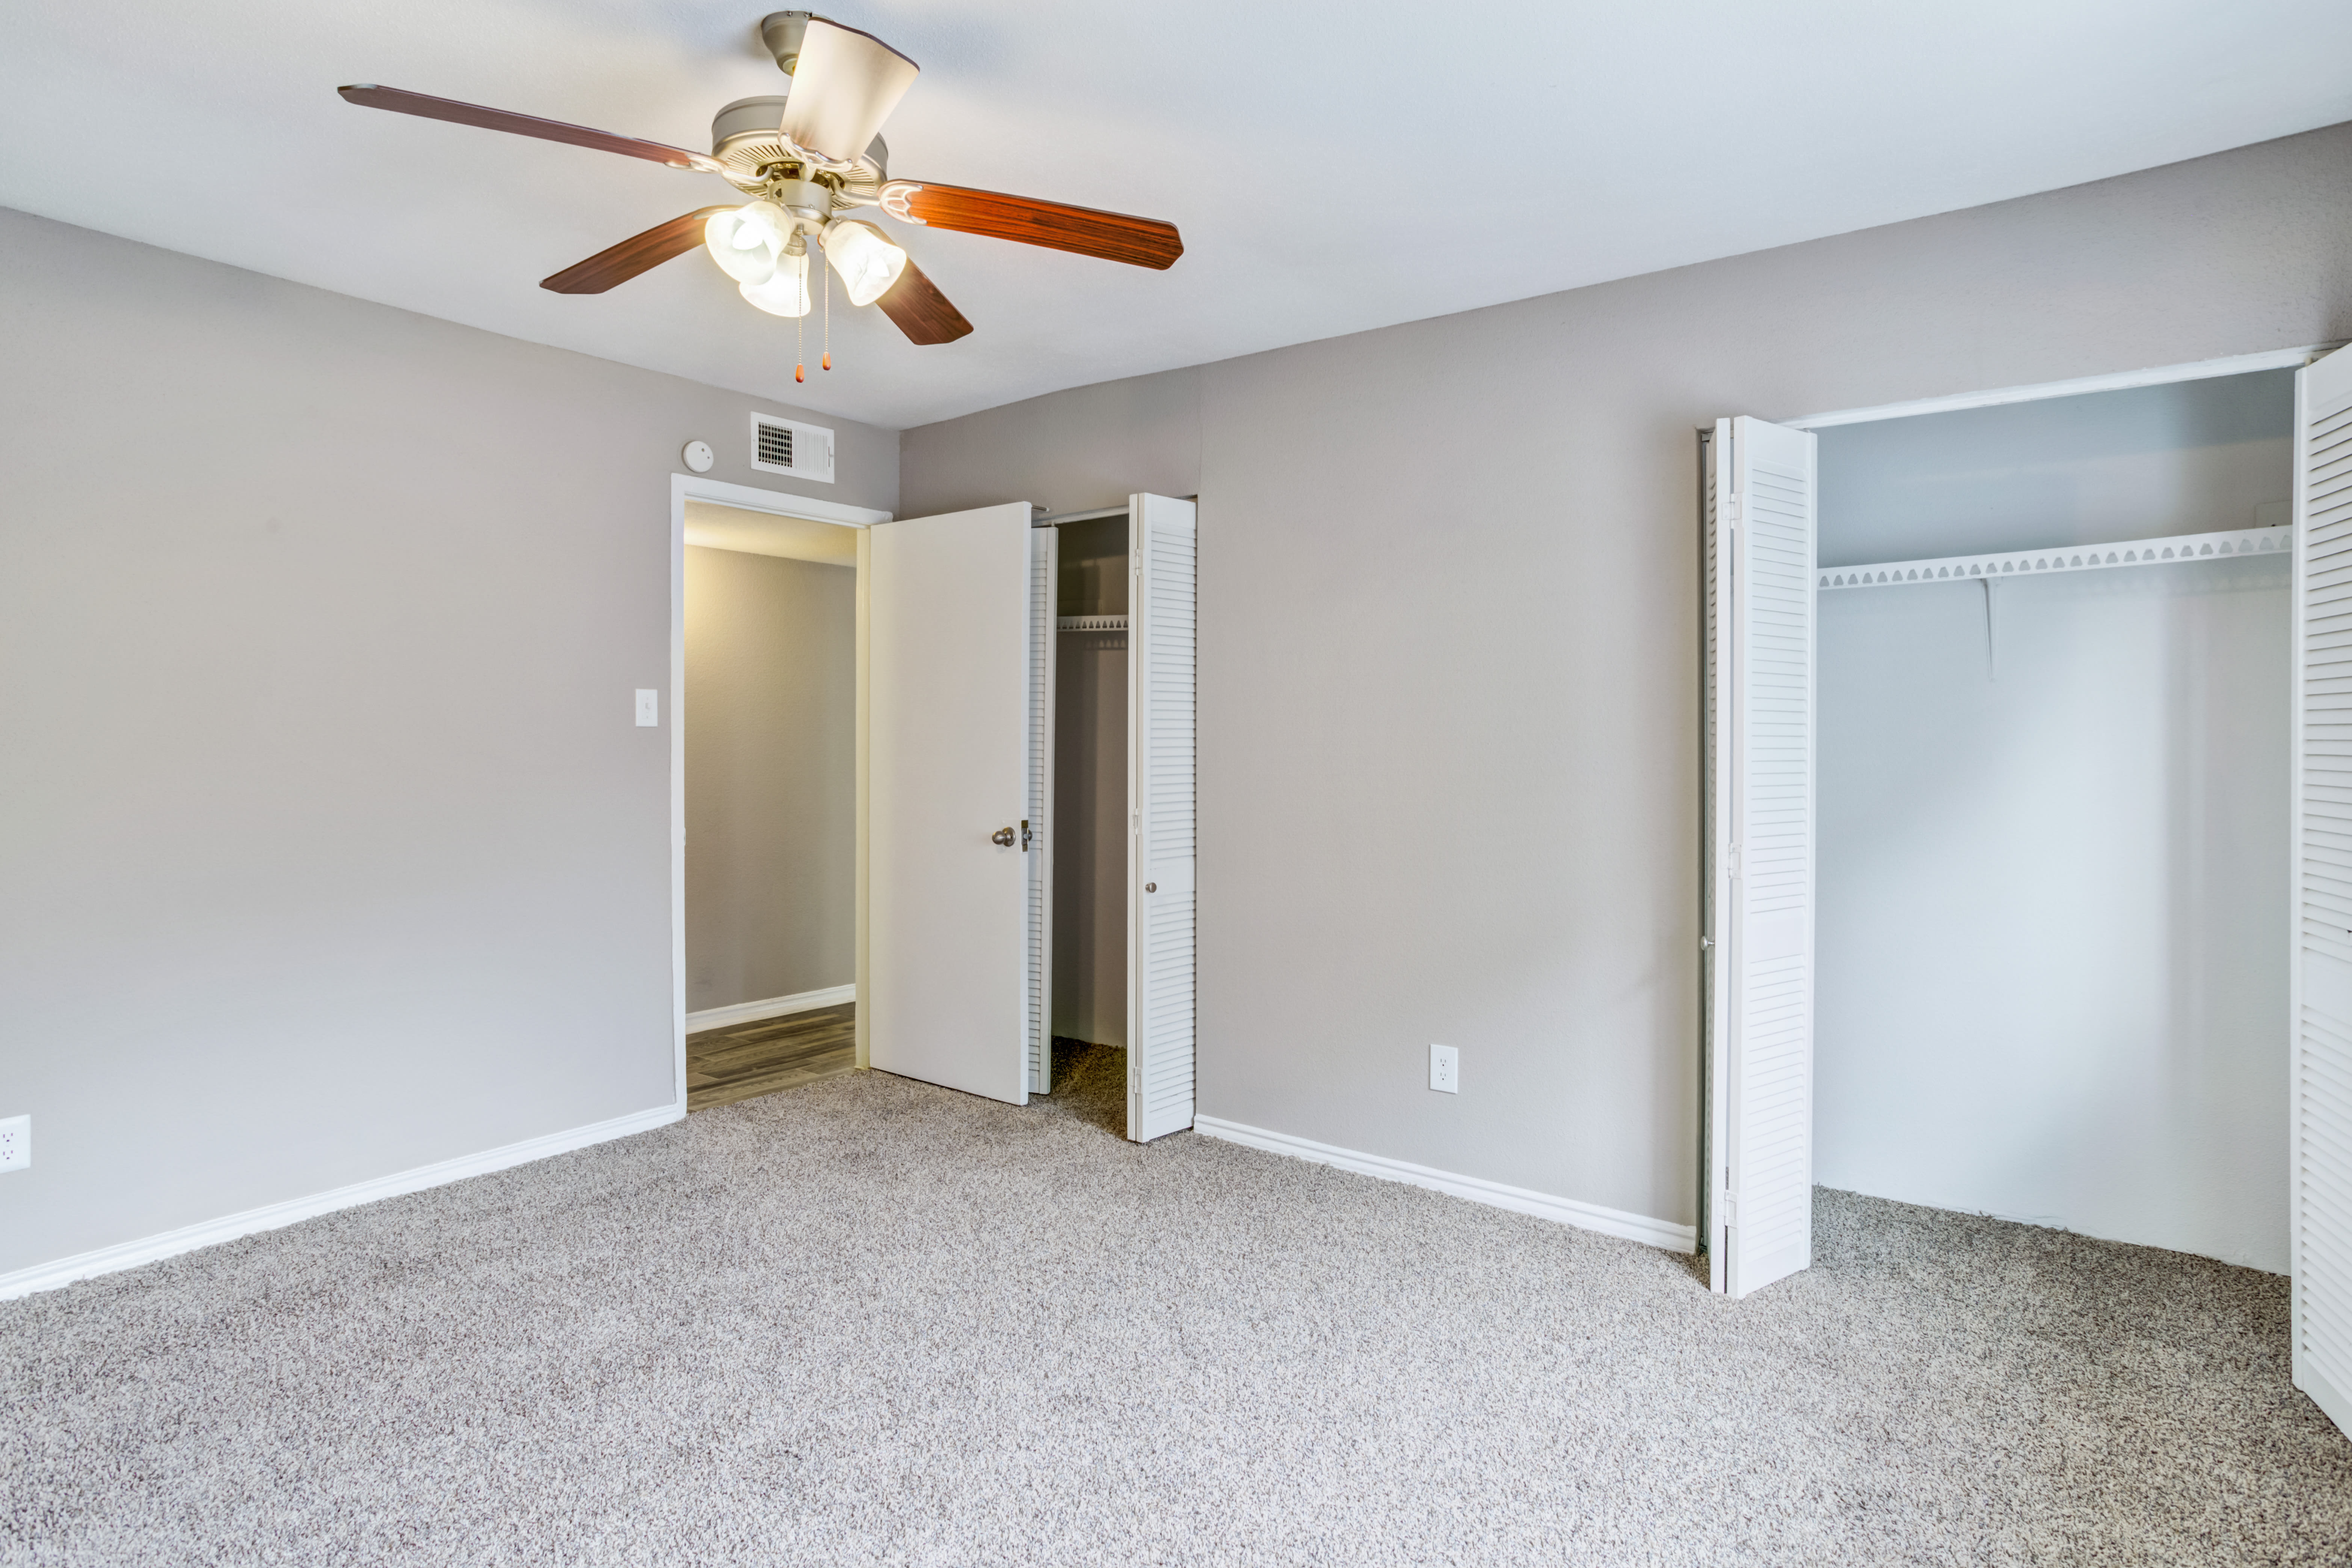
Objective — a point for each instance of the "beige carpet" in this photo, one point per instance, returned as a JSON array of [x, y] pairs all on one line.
[[866, 1320]]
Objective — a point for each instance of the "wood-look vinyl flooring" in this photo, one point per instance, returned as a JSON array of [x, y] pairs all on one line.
[[723, 1066]]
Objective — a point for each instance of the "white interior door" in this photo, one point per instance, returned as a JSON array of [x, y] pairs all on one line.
[[1163, 542], [948, 651], [1044, 569], [2322, 963], [1759, 773]]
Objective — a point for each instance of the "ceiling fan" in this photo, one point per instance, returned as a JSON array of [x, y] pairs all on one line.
[[805, 160]]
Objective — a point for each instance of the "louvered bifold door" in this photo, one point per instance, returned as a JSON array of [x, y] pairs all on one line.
[[2321, 969], [1164, 539], [1761, 1043], [1045, 559]]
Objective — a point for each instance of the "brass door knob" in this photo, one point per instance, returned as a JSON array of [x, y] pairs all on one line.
[[1003, 835], [1150, 887]]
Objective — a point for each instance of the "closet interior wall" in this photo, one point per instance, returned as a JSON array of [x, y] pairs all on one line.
[[2053, 868], [1090, 804]]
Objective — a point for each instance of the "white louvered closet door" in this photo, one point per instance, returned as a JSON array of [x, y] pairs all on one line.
[[2321, 1132], [1759, 779], [1045, 561], [1164, 538]]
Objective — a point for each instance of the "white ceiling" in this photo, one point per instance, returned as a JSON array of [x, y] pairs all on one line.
[[1333, 166]]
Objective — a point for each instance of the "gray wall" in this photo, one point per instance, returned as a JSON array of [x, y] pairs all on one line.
[[328, 846], [1448, 758], [770, 777], [2053, 961]]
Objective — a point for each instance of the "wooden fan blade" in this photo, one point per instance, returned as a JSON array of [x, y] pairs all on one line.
[[844, 85], [1113, 236], [641, 253], [367, 95], [921, 311]]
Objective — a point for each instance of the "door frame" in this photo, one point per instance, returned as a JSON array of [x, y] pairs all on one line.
[[684, 488]]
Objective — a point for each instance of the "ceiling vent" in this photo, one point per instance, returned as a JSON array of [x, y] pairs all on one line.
[[781, 446]]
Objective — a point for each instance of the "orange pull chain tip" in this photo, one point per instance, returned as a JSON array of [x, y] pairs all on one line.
[[799, 372]]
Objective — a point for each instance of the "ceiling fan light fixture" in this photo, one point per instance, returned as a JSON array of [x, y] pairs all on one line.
[[868, 263], [748, 241], [786, 293]]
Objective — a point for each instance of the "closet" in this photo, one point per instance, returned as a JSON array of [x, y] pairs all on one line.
[[2001, 818], [1028, 740], [1088, 930], [1116, 874]]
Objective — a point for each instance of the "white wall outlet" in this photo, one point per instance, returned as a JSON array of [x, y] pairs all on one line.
[[1445, 1069], [15, 1143], [648, 708]]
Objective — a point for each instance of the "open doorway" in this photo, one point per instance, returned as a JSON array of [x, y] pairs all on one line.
[[769, 715], [1088, 926]]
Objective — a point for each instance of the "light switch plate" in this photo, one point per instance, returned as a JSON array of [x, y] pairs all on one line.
[[648, 708], [15, 1143], [1445, 1069]]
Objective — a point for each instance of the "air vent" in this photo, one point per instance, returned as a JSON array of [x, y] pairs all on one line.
[[775, 446], [781, 446]]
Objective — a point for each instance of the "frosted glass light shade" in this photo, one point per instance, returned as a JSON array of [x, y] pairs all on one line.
[[746, 241], [786, 292], [867, 262]]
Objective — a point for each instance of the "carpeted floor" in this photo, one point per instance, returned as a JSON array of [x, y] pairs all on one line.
[[866, 1320]]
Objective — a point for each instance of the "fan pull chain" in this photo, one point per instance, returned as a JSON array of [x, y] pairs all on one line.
[[827, 361]]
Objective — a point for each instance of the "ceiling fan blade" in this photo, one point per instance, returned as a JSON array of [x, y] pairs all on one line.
[[844, 85], [367, 95], [921, 311], [641, 253], [1113, 236]]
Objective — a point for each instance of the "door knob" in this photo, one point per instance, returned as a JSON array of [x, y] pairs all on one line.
[[1150, 887], [1003, 835]]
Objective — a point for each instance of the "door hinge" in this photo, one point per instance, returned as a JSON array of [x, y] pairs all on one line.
[[1731, 863], [1025, 833], [1732, 1208]]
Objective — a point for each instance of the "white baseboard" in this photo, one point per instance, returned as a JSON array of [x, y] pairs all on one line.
[[773, 1008], [1566, 1211], [187, 1238]]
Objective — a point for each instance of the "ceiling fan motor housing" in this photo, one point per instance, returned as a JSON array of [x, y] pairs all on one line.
[[747, 137]]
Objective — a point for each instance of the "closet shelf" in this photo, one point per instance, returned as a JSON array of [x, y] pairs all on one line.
[[2177, 548], [1090, 623]]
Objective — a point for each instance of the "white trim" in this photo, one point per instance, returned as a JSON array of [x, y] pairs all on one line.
[[752, 498], [2120, 381], [1659, 1232], [773, 1008], [684, 488], [271, 1216]]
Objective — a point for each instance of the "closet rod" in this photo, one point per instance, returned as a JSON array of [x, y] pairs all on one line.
[[2174, 549], [1054, 520]]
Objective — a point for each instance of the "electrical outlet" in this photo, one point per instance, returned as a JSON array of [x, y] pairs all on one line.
[[1445, 1069], [15, 1143]]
